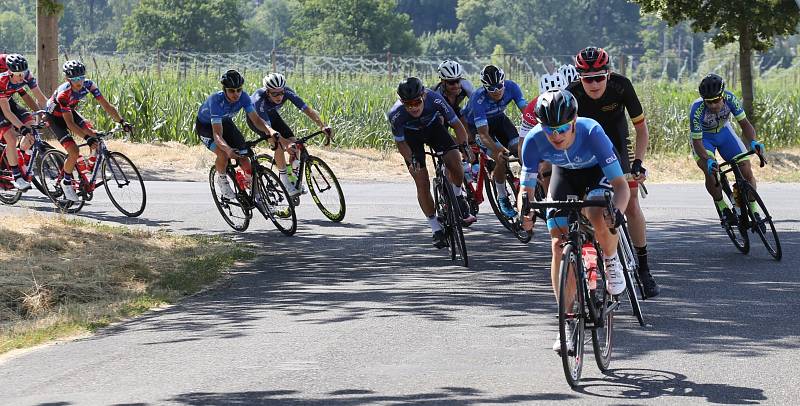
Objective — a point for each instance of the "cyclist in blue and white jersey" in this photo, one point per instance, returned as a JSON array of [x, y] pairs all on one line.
[[216, 129], [416, 120], [267, 101], [486, 116], [584, 164], [709, 120], [453, 86]]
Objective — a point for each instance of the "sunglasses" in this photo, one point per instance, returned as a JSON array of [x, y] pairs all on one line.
[[494, 88], [413, 102], [595, 78], [560, 129], [453, 82], [20, 74], [276, 94], [77, 78], [713, 100], [232, 90]]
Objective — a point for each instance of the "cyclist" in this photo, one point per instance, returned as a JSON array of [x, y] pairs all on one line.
[[711, 130], [64, 118], [418, 119], [15, 120], [267, 101], [583, 160], [216, 129], [486, 117], [604, 96], [453, 86]]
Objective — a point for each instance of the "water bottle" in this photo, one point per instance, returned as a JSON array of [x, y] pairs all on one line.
[[83, 166], [21, 161], [589, 254], [92, 161], [476, 169], [243, 179], [467, 171]]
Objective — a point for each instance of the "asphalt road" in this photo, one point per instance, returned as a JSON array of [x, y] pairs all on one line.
[[368, 312]]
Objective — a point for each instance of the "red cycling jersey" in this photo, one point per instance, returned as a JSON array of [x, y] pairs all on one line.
[[529, 117]]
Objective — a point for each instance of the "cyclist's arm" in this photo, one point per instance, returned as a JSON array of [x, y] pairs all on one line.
[[488, 141], [314, 116], [622, 192], [405, 151], [461, 132], [5, 106], [696, 130], [216, 129], [109, 108], [642, 139], [259, 123], [636, 113], [748, 131], [29, 101], [700, 149], [40, 97]]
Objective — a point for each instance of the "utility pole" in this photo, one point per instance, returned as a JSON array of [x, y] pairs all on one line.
[[48, 13]]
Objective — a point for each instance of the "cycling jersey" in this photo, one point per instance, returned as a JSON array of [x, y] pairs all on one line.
[[466, 91], [8, 89], [65, 99], [529, 117], [217, 107], [609, 111], [482, 107], [3, 65], [591, 148], [703, 120], [263, 103], [435, 107]]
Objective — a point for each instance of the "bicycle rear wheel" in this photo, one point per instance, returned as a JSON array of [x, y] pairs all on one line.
[[459, 246], [325, 189], [124, 184], [51, 173], [762, 223], [738, 232], [630, 270], [272, 200], [236, 213], [9, 194], [571, 317], [602, 337]]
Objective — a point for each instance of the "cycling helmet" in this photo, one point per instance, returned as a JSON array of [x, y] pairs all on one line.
[[410, 88], [711, 86], [569, 73], [74, 69], [450, 70], [232, 79], [556, 107], [274, 81], [592, 59], [551, 81], [16, 63], [492, 75]]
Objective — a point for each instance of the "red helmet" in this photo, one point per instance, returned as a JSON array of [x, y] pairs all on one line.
[[591, 59]]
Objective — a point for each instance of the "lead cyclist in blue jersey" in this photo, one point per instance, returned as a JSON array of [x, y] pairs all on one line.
[[584, 164], [486, 116], [216, 129], [711, 130]]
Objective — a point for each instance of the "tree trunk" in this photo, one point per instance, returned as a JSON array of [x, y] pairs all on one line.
[[47, 47], [746, 72]]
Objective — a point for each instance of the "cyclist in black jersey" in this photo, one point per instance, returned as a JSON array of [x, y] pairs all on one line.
[[454, 87], [604, 96]]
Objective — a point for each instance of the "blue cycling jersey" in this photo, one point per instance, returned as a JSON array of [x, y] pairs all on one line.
[[482, 107], [217, 107], [264, 104], [591, 147], [434, 108], [703, 120]]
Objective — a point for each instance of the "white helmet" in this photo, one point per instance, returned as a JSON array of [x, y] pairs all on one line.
[[551, 81], [274, 81], [569, 73], [450, 70]]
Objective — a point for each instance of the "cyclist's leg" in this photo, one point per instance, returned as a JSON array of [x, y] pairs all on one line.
[[498, 131], [59, 128], [206, 135], [598, 185], [235, 139], [562, 184], [277, 123], [731, 145], [415, 141], [710, 145]]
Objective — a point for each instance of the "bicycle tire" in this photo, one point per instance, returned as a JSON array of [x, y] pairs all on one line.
[[634, 288], [572, 363], [115, 163], [737, 233], [491, 195], [224, 205], [454, 212], [319, 179], [276, 206], [602, 337], [516, 224], [774, 247], [9, 194], [51, 172]]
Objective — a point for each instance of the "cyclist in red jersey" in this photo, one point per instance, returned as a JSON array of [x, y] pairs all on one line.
[[15, 120], [65, 120], [605, 96]]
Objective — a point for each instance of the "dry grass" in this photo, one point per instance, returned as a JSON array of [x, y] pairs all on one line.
[[61, 275]]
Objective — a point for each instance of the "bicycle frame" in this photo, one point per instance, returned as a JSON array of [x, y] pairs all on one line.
[[302, 155]]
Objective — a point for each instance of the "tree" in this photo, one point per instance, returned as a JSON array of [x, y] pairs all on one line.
[[352, 27], [753, 23], [270, 23], [446, 44], [17, 33], [428, 16], [47, 14], [199, 25]]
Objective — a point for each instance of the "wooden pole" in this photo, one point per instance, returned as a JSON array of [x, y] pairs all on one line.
[[47, 15]]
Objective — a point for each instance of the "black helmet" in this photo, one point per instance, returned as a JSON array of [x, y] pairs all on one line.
[[556, 107], [232, 79], [711, 86], [16, 63], [492, 75], [74, 68], [410, 88]]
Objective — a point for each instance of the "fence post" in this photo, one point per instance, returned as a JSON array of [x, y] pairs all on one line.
[[621, 60], [272, 59], [158, 63], [389, 64]]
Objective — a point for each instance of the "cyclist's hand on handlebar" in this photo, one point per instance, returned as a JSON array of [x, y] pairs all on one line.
[[328, 134], [757, 146], [638, 171], [126, 126], [711, 166]]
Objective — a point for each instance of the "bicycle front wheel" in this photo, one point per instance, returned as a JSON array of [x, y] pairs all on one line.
[[736, 232], [630, 270], [124, 184], [454, 219], [234, 212], [761, 222], [325, 189], [272, 200], [51, 173], [571, 318], [9, 194], [602, 335]]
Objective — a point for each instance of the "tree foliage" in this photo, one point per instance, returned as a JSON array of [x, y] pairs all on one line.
[[429, 16], [270, 23], [17, 33]]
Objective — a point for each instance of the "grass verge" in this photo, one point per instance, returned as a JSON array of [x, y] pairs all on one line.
[[62, 277]]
